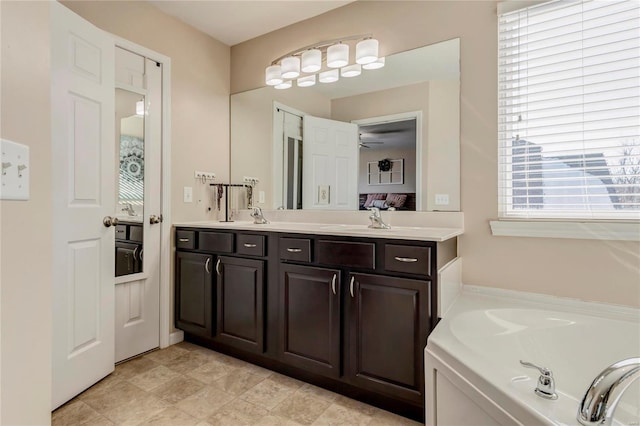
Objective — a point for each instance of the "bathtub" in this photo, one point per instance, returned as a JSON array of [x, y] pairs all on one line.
[[472, 371]]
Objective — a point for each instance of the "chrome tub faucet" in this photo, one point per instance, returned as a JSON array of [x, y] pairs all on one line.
[[600, 400]]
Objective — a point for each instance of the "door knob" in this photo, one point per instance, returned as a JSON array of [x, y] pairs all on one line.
[[153, 219], [109, 221]]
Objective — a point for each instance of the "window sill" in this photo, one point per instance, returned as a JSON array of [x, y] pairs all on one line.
[[611, 231]]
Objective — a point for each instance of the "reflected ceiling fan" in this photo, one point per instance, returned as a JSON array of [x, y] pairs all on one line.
[[365, 144]]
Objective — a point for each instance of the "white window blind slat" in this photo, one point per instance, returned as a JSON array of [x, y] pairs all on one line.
[[569, 110]]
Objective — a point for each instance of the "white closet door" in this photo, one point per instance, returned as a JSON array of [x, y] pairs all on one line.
[[330, 163], [138, 296], [82, 104]]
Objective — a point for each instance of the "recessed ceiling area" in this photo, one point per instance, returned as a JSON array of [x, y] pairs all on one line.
[[233, 22]]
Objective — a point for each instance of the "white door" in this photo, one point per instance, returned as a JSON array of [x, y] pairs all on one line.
[[138, 295], [82, 105], [330, 164]]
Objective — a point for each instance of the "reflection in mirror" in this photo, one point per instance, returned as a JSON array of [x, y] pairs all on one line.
[[130, 108], [295, 141]]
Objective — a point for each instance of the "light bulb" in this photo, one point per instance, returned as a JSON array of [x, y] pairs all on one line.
[[290, 67], [329, 76], [374, 65], [367, 51], [283, 85], [338, 55], [307, 81], [273, 75], [311, 60], [351, 70]]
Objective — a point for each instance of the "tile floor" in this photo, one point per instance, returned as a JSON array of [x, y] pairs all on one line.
[[186, 385]]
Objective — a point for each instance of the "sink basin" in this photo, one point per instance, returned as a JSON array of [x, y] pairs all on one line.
[[353, 228]]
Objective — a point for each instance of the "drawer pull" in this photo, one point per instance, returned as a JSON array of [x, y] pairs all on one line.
[[294, 250], [206, 265], [351, 285], [218, 267], [183, 240], [406, 259], [333, 284], [247, 245]]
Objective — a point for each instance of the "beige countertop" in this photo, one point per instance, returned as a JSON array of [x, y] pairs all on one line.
[[396, 232]]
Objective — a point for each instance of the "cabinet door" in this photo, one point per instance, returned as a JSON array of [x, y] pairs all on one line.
[[388, 323], [310, 318], [194, 293], [241, 303]]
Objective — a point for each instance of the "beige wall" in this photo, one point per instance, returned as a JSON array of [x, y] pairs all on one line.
[[25, 274], [592, 270], [199, 91]]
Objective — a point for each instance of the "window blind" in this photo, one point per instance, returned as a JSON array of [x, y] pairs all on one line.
[[569, 110]]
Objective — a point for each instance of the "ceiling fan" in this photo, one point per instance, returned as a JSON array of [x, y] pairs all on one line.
[[366, 144]]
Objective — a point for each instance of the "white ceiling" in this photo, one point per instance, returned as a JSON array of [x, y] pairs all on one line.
[[233, 22]]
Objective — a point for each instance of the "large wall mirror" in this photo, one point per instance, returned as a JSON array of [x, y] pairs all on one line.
[[389, 137]]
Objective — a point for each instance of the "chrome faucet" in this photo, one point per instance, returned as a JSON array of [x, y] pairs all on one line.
[[129, 209], [376, 219], [600, 400], [258, 217], [546, 387]]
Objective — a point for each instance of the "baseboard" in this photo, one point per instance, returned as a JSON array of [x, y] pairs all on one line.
[[176, 337]]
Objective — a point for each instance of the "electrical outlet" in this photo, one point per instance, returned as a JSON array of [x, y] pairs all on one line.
[[187, 194], [204, 175], [442, 199]]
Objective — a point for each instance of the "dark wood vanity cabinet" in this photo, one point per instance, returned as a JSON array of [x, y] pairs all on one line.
[[194, 293], [349, 314], [240, 303], [388, 327], [310, 313]]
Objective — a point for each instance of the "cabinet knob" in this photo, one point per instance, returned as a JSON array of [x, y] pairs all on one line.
[[108, 221]]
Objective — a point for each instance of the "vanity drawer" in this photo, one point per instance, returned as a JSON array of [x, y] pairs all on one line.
[[298, 249], [408, 259], [346, 253], [252, 245], [185, 239], [221, 242], [135, 233], [121, 232]]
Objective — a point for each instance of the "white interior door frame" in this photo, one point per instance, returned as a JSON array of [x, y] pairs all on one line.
[[403, 116], [166, 337], [277, 157]]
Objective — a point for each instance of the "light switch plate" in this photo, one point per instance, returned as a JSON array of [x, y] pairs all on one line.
[[442, 199], [14, 177], [187, 194]]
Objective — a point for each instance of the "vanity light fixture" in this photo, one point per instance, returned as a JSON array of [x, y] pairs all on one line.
[[329, 59]]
